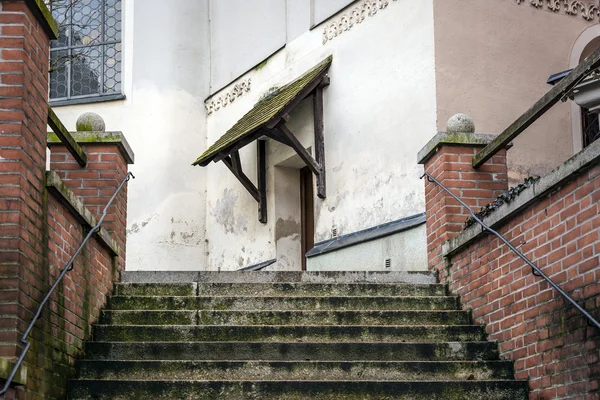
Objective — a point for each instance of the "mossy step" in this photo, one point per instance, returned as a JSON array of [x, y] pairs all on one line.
[[292, 351], [279, 276], [298, 390], [290, 317], [263, 333], [283, 303], [156, 289], [288, 289], [296, 370]]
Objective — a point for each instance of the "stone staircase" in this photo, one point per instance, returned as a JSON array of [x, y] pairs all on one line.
[[289, 335]]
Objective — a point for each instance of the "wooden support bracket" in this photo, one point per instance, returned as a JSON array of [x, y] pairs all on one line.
[[261, 161], [258, 193], [277, 136], [315, 167], [244, 180]]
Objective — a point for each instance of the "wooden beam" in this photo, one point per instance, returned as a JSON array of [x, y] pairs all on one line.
[[244, 180], [307, 90], [236, 162], [538, 109], [297, 146], [235, 146], [66, 138], [261, 160], [319, 141], [277, 136]]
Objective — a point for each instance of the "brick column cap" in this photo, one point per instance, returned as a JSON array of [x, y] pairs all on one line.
[[44, 16], [98, 138], [466, 139]]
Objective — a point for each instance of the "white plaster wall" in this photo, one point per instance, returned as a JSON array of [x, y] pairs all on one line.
[[166, 59], [406, 251], [379, 111], [323, 9], [298, 17], [243, 33]]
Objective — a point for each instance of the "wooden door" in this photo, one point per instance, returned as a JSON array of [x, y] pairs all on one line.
[[308, 213]]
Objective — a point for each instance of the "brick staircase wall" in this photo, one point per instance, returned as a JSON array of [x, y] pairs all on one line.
[[42, 222], [555, 223]]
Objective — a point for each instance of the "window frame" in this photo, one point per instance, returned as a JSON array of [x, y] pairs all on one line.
[[102, 45]]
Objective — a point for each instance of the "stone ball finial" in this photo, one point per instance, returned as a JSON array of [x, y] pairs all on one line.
[[90, 122], [460, 123]]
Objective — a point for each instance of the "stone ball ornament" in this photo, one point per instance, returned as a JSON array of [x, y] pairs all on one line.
[[90, 122], [460, 123]]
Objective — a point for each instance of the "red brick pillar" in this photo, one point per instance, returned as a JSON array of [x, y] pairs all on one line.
[[108, 156], [448, 158], [26, 29]]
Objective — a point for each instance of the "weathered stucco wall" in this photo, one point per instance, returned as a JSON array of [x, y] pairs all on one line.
[[165, 81], [492, 62], [379, 111]]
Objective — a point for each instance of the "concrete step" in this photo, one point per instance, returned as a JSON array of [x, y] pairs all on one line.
[[296, 370], [264, 333], [279, 276], [289, 289], [292, 351], [290, 317], [282, 303], [297, 390]]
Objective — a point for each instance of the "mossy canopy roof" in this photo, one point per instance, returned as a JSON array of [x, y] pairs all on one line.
[[262, 113]]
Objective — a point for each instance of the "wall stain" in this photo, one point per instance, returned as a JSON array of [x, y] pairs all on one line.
[[285, 228], [224, 210]]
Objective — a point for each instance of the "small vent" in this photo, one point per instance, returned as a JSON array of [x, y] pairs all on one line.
[[388, 263]]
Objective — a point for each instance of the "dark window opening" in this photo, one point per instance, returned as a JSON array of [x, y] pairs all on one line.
[[590, 126]]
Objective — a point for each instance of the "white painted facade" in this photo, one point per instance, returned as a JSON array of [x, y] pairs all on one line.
[[378, 112], [176, 54], [192, 68]]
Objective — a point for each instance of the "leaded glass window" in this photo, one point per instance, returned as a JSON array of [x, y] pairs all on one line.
[[85, 60]]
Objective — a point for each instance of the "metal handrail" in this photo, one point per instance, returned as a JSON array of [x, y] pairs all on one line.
[[67, 268], [534, 268]]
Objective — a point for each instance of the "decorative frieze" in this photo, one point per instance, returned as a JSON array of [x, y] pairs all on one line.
[[588, 11], [238, 90], [345, 22]]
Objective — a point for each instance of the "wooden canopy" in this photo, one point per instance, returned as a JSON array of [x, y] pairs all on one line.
[[267, 119]]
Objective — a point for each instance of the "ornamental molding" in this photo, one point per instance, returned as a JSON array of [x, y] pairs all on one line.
[[587, 10], [345, 22], [238, 90]]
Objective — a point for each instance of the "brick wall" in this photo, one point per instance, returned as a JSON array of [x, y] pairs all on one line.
[[75, 305], [42, 222], [559, 230], [96, 183], [445, 216], [24, 47]]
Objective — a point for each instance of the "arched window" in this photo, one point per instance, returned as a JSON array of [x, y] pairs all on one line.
[[590, 123], [586, 124]]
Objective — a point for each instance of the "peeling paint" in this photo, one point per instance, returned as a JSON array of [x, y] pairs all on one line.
[[138, 226]]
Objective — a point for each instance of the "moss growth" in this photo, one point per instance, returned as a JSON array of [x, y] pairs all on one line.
[[261, 65]]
